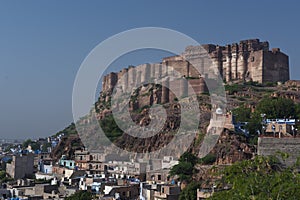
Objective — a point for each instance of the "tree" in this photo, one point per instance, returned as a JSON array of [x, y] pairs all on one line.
[[273, 108], [276, 108], [189, 192], [231, 89], [242, 114], [208, 159], [185, 168], [34, 145], [260, 178], [110, 128], [26, 143], [45, 147], [188, 157], [2, 174], [81, 195]]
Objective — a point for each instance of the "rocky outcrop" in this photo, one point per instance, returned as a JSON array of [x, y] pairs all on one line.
[[67, 146], [232, 148]]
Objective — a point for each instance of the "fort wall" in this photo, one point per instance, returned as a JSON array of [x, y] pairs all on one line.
[[276, 66], [270, 146], [248, 60]]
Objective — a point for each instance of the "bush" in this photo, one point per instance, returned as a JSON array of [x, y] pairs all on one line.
[[209, 159], [81, 195], [270, 84], [190, 192], [185, 168], [242, 114], [110, 128], [231, 89], [259, 178]]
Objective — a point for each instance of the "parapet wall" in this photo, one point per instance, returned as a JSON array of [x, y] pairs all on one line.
[[250, 60], [270, 146]]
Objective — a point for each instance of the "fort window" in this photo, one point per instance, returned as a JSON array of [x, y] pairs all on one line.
[[252, 59], [247, 74]]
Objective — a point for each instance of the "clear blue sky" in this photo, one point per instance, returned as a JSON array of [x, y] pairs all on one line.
[[42, 44]]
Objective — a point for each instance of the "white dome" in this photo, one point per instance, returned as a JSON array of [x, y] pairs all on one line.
[[219, 111]]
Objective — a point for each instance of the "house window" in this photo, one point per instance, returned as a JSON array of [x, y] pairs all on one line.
[[152, 177], [159, 177]]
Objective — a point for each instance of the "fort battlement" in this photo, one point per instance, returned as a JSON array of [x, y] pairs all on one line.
[[248, 60]]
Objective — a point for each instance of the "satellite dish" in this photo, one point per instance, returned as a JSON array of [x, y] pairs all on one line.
[[219, 111]]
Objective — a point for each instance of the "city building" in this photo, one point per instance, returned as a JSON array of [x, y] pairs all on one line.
[[70, 164], [21, 166]]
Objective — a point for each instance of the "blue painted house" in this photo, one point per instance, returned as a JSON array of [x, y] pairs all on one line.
[[70, 164]]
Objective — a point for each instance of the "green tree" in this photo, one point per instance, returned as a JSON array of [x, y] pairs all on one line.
[[4, 177], [2, 174], [26, 143], [189, 192], [260, 178], [208, 159], [70, 130], [231, 89], [185, 168], [276, 108], [242, 114], [34, 145], [273, 108], [81, 195], [188, 157], [45, 147], [110, 128]]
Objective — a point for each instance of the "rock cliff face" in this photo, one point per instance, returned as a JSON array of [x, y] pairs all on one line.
[[67, 146], [230, 147], [142, 101]]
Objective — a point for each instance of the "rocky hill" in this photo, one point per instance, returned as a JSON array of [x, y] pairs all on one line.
[[230, 146], [67, 146]]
